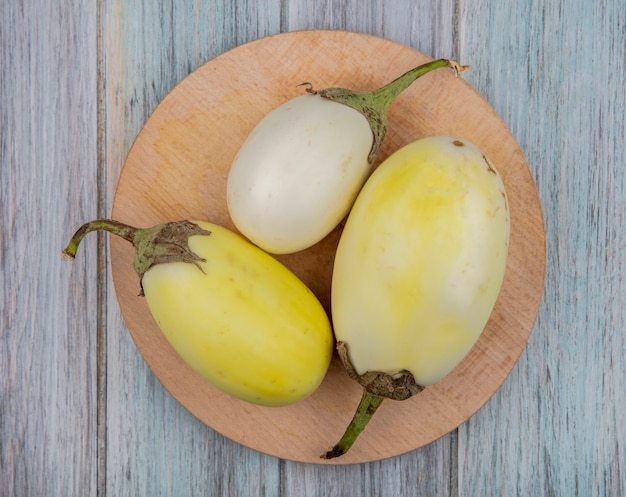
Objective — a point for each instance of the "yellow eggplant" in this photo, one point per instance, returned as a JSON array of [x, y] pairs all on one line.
[[234, 314], [418, 269]]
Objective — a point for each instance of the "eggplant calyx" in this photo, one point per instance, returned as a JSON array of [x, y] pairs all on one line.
[[398, 386], [166, 243]]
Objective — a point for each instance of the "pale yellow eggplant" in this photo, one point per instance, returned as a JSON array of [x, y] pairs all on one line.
[[418, 268], [237, 316]]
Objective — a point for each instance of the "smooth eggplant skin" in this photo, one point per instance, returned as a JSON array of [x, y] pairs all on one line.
[[242, 320], [297, 174], [421, 260]]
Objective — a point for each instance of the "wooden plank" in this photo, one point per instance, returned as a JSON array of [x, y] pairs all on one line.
[[48, 307], [557, 426], [429, 28], [422, 472], [154, 446]]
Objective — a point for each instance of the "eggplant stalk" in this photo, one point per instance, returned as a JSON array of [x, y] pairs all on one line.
[[367, 407]]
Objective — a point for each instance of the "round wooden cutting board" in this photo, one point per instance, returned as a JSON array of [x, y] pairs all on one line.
[[177, 169]]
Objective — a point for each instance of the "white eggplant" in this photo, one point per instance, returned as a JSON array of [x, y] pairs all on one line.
[[285, 190], [418, 270], [299, 171]]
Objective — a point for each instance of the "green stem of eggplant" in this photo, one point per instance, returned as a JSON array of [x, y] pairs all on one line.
[[120, 229], [388, 93], [367, 407]]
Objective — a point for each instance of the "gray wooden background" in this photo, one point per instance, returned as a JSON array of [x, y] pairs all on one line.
[[81, 414]]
